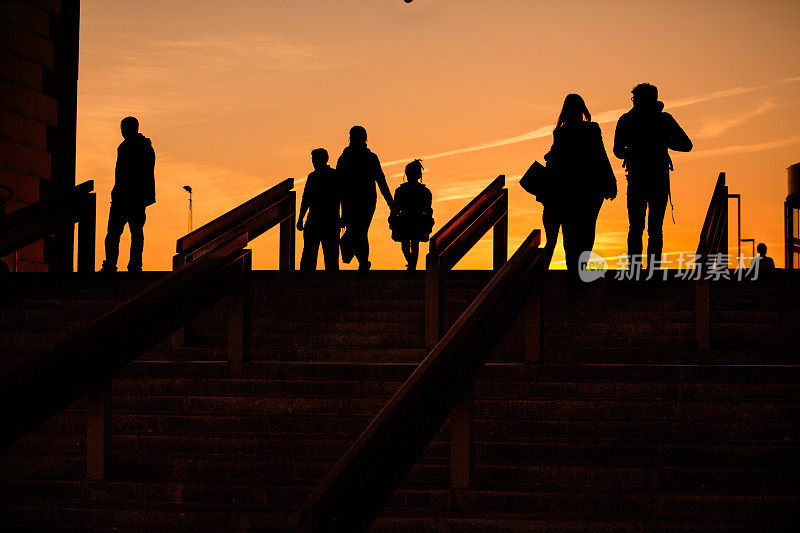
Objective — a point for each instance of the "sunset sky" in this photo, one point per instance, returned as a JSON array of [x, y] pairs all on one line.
[[235, 94]]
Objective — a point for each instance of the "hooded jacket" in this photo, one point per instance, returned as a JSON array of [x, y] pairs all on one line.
[[134, 175], [642, 140]]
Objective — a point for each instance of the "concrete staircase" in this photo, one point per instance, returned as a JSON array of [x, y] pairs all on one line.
[[623, 426]]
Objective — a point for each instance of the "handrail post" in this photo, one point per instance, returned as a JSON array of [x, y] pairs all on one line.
[[433, 299], [239, 316], [287, 235], [500, 237], [87, 223], [98, 434], [702, 299], [461, 442]]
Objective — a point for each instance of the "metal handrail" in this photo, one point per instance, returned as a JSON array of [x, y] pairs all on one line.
[[36, 221], [714, 235], [354, 491], [489, 209], [253, 217]]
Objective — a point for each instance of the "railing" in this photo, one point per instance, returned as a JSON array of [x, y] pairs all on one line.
[[714, 235], [354, 491], [270, 208], [85, 362], [448, 245], [275, 206], [35, 222], [713, 244]]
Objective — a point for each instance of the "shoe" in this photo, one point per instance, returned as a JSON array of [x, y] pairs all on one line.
[[363, 267], [107, 269]]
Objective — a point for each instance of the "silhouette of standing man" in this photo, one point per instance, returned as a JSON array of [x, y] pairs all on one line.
[[134, 189], [321, 200], [359, 170], [642, 140]]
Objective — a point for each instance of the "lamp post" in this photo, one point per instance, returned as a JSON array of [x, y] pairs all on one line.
[[189, 190]]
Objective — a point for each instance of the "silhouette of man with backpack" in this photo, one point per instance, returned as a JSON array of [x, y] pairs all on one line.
[[642, 140], [134, 189]]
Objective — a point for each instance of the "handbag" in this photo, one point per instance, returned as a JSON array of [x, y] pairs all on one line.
[[536, 179]]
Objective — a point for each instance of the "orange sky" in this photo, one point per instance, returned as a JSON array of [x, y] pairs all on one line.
[[235, 94]]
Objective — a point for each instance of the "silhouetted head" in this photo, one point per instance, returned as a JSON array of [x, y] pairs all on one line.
[[414, 171], [573, 111], [319, 158], [129, 127], [644, 96], [761, 249], [358, 136]]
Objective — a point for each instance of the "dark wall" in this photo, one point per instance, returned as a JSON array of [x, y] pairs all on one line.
[[38, 102]]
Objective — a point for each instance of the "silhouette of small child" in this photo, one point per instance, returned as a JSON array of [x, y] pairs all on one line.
[[411, 220], [765, 263]]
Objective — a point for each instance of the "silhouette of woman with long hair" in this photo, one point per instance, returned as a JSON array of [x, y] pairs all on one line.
[[359, 170], [411, 220], [581, 178]]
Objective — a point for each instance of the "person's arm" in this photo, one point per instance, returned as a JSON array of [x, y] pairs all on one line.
[[677, 139], [304, 203], [380, 177], [620, 142], [151, 175], [605, 169]]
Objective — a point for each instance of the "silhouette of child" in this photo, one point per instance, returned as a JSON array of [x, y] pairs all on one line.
[[411, 220], [321, 199]]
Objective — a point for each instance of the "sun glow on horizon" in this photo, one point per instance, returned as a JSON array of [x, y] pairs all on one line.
[[235, 98]]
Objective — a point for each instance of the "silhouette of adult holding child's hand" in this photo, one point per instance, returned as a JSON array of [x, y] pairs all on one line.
[[359, 170]]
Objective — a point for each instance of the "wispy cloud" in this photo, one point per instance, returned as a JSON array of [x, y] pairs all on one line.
[[716, 127], [602, 117], [743, 148]]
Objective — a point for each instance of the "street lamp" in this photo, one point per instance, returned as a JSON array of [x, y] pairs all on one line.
[[189, 190]]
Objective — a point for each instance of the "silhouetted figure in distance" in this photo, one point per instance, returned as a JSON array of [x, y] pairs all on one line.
[[765, 263], [321, 200], [642, 140], [358, 170], [134, 189], [581, 178], [411, 220]]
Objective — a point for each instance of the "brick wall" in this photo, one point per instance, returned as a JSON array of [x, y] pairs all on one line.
[[38, 98]]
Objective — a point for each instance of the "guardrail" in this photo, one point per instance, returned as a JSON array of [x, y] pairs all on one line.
[[354, 491], [270, 208], [36, 221], [85, 362], [487, 210], [713, 243]]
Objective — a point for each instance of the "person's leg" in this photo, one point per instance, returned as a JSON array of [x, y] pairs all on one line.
[[637, 208], [413, 255], [136, 225], [571, 233], [655, 224], [330, 251], [551, 220], [116, 222], [308, 260], [362, 237], [591, 224], [405, 246]]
